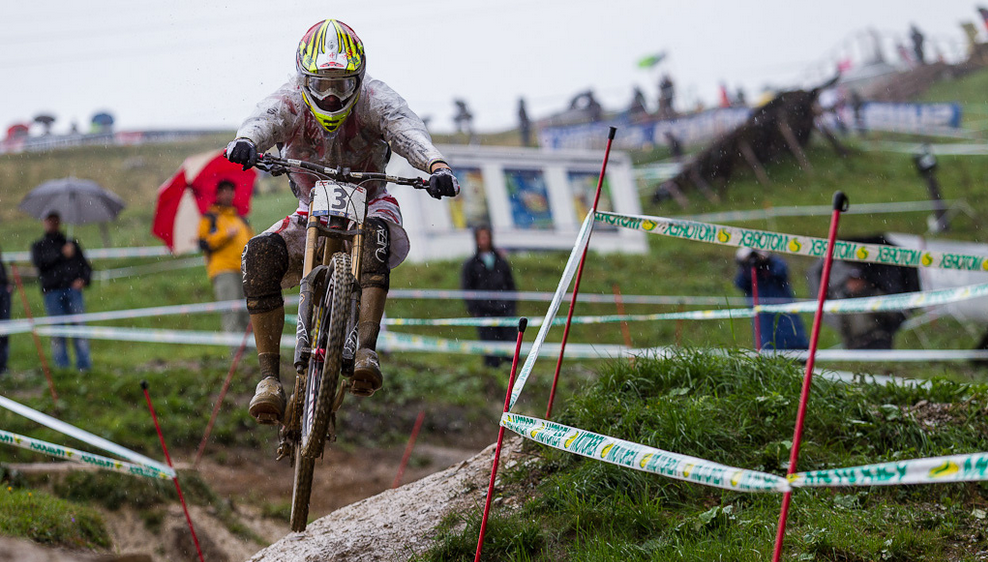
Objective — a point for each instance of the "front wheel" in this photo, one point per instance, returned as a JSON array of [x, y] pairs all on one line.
[[330, 314], [301, 491]]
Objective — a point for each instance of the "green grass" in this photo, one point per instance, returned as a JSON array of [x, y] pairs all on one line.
[[45, 519], [737, 411]]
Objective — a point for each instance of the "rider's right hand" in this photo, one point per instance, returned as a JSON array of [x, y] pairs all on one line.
[[242, 151]]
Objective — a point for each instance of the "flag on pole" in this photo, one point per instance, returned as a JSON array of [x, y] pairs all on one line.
[[651, 60]]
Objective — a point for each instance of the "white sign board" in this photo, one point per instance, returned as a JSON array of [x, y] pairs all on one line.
[[973, 310], [532, 199]]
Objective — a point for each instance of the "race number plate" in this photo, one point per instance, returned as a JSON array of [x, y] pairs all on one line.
[[341, 200]]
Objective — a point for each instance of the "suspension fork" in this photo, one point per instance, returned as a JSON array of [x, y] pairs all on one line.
[[356, 263]]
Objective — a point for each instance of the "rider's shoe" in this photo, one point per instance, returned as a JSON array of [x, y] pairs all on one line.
[[367, 377], [268, 404]]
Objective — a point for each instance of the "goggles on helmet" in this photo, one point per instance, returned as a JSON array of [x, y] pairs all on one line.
[[322, 87]]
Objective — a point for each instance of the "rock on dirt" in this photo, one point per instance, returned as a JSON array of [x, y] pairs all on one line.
[[395, 524]]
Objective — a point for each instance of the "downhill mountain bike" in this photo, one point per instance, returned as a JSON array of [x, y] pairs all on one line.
[[329, 304]]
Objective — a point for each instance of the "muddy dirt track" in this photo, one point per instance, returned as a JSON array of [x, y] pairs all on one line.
[[340, 479]]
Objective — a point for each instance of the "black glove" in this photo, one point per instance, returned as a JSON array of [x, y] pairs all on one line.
[[443, 183], [242, 151]]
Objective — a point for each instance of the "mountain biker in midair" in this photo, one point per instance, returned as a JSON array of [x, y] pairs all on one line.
[[332, 113]]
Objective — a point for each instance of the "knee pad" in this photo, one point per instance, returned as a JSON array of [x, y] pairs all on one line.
[[377, 250], [264, 263]]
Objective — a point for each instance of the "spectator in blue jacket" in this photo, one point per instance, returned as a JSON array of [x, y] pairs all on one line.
[[776, 331]]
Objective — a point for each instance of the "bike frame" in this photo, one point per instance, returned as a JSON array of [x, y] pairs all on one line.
[[334, 237]]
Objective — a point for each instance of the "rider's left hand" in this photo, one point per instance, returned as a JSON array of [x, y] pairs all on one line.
[[442, 183]]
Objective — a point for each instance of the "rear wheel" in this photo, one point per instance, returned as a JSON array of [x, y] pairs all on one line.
[[329, 320]]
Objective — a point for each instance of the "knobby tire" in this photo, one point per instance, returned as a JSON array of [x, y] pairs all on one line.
[[329, 333]]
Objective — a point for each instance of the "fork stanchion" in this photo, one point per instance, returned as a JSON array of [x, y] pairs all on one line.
[[522, 324], [408, 449], [219, 399], [579, 275], [34, 334], [178, 488], [840, 205]]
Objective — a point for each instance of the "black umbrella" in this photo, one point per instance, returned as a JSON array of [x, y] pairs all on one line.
[[77, 201]]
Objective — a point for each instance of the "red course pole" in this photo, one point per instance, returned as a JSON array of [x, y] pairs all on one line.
[[408, 449], [619, 303], [754, 301], [219, 400], [579, 274], [840, 205], [181, 498], [34, 334], [522, 324]]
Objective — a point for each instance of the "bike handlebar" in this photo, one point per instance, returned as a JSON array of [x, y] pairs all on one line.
[[276, 165]]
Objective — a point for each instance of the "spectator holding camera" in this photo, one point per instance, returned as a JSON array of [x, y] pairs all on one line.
[[775, 330]]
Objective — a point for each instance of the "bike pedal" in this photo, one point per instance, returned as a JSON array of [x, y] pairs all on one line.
[[361, 389], [267, 419]]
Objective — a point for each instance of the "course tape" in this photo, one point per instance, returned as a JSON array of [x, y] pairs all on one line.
[[443, 294], [394, 341], [102, 253], [83, 435], [154, 267], [796, 245], [574, 259], [955, 149], [817, 210], [883, 355], [78, 456], [900, 301], [21, 325], [642, 457], [954, 468], [388, 341]]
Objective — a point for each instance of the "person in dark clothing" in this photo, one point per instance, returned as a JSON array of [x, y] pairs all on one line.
[[667, 94], [487, 270], [5, 291], [776, 331], [857, 104], [873, 330], [918, 39], [62, 272], [524, 124], [675, 146]]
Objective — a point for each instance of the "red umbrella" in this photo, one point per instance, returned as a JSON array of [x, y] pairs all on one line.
[[182, 200]]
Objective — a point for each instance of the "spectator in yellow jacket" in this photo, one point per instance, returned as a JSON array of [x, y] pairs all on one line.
[[222, 236]]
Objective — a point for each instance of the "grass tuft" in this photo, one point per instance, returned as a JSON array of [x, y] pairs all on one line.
[[43, 518]]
